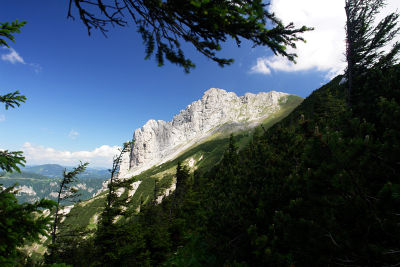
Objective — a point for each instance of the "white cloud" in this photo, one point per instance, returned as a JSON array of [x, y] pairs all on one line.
[[100, 157], [13, 57], [261, 67], [324, 50], [2, 117], [73, 134]]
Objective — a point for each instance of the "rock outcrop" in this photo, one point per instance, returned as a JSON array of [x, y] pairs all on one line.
[[159, 141]]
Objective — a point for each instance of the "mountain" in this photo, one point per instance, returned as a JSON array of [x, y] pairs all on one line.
[[42, 181], [319, 188], [198, 137], [218, 111], [49, 170], [317, 185], [55, 170]]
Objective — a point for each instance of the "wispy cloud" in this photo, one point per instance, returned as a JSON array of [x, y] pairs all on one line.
[[14, 57], [36, 67], [325, 47], [73, 134], [100, 157], [2, 117]]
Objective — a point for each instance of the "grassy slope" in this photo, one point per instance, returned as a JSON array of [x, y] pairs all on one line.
[[82, 214], [210, 152]]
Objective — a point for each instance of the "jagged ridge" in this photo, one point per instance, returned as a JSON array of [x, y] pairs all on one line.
[[159, 141]]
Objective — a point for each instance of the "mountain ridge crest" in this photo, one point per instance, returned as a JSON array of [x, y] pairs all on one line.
[[158, 141]]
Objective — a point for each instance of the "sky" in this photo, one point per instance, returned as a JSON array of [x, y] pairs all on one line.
[[87, 94]]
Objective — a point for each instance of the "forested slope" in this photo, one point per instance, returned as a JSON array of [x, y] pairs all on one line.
[[321, 187]]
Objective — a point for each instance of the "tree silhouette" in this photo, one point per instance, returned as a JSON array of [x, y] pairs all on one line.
[[66, 192], [205, 24], [365, 42], [9, 160]]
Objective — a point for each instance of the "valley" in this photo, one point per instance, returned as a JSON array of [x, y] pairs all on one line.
[[43, 181]]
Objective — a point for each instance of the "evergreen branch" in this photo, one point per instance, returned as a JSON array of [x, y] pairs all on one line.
[[9, 161], [7, 29], [12, 99], [163, 25]]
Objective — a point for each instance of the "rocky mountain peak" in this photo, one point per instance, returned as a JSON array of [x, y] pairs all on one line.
[[212, 91], [159, 141]]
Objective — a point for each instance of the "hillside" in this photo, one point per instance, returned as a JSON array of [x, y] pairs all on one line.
[[200, 156], [49, 170], [319, 188], [159, 181]]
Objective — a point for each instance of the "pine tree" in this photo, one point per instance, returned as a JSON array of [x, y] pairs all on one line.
[[9, 160], [365, 42], [66, 191], [205, 24], [182, 180], [107, 230], [18, 222]]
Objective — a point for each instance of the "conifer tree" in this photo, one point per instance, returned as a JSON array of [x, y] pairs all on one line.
[[66, 191], [182, 179], [18, 222], [9, 160], [365, 41], [114, 183], [107, 230], [205, 24]]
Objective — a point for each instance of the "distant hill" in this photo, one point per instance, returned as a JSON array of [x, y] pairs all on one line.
[[42, 181], [24, 174], [55, 170], [49, 170]]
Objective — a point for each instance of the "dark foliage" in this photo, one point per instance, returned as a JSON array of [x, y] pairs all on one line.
[[9, 160], [20, 223], [320, 188], [205, 24], [366, 43], [8, 29], [314, 190]]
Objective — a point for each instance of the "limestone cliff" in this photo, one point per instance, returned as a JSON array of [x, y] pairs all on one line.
[[159, 141]]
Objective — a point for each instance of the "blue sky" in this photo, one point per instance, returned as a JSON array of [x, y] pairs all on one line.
[[87, 94]]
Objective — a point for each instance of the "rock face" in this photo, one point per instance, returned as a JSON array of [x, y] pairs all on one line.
[[159, 141]]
